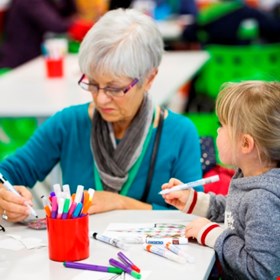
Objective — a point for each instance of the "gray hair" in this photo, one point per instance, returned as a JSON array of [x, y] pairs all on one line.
[[253, 107], [122, 43]]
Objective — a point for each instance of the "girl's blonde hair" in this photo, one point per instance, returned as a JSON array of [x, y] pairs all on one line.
[[253, 107]]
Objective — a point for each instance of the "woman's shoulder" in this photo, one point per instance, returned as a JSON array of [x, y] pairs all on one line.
[[69, 116], [179, 120], [75, 111]]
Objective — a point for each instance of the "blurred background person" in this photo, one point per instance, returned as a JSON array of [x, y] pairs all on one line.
[[26, 24], [228, 22]]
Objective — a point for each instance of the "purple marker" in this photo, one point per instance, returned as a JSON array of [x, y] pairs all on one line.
[[93, 267], [125, 268], [128, 262]]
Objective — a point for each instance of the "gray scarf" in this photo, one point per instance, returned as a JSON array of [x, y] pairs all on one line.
[[114, 161]]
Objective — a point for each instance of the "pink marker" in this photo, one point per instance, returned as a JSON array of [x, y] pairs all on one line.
[[54, 207]]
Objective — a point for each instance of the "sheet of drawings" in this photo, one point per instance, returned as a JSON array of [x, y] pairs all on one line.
[[135, 232]]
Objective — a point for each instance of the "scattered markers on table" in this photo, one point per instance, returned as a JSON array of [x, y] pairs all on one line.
[[125, 266]]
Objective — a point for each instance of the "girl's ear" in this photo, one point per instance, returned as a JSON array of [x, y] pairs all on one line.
[[247, 143]]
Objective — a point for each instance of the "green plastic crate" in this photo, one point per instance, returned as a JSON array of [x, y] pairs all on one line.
[[238, 63]]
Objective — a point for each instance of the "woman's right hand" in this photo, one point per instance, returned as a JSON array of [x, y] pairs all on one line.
[[13, 206], [177, 199]]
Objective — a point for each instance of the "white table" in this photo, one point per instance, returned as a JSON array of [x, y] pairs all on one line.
[[35, 264], [25, 91]]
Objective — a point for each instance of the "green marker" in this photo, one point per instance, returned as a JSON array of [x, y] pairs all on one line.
[[65, 208]]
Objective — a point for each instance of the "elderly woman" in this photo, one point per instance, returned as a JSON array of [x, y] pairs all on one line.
[[109, 144]]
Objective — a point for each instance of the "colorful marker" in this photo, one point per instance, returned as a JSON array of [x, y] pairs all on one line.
[[164, 240], [46, 205], [189, 185], [77, 210], [87, 204], [79, 194], [57, 189], [60, 207], [66, 208], [66, 190], [161, 251], [178, 251], [71, 210], [125, 268], [54, 207], [93, 267], [128, 262], [109, 240]]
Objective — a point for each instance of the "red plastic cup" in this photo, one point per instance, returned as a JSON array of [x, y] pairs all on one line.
[[54, 67], [68, 239]]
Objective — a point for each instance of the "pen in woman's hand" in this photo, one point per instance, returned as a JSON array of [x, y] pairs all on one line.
[[9, 187]]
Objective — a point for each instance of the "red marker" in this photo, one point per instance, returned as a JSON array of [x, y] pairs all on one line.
[[128, 262]]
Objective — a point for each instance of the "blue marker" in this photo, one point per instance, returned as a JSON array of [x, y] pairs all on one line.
[[77, 210]]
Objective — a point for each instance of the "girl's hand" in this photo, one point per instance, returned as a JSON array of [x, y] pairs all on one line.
[[177, 199], [12, 205], [194, 227]]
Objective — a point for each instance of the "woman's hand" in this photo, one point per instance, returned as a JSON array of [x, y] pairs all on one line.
[[194, 227], [13, 206], [104, 201], [177, 199]]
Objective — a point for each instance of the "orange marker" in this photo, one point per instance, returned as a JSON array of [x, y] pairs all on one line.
[[89, 202], [46, 206]]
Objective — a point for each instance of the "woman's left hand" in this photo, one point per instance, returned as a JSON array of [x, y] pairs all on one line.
[[194, 227], [104, 201]]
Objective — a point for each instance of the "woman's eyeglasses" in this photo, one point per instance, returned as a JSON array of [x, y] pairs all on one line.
[[109, 91]]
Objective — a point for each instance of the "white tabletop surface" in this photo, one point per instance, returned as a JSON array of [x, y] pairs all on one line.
[[34, 264], [25, 91]]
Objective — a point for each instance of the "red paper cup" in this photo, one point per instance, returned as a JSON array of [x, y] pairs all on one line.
[[68, 239], [54, 67]]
